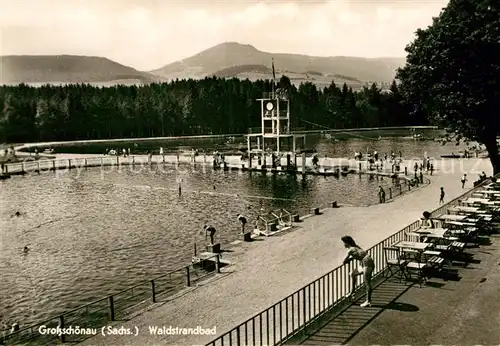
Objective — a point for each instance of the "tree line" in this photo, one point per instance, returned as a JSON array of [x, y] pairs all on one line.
[[187, 107]]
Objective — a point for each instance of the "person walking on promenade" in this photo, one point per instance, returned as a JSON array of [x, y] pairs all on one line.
[[243, 222], [441, 196], [381, 194], [367, 267], [464, 179], [210, 231], [431, 168]]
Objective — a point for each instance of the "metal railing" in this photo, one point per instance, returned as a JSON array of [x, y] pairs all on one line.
[[278, 323], [66, 164], [117, 306]]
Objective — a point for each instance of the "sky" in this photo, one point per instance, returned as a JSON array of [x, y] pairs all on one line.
[[148, 34]]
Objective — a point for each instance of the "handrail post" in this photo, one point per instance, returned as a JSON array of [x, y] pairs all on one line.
[[38, 166], [217, 263], [133, 160], [54, 165], [101, 162], [111, 308], [117, 160], [22, 167], [303, 307], [69, 163], [390, 193], [85, 162], [188, 277], [153, 290], [62, 337]]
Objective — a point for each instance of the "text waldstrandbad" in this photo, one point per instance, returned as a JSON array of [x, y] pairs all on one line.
[[164, 330]]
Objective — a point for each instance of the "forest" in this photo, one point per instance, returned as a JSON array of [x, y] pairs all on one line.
[[187, 107]]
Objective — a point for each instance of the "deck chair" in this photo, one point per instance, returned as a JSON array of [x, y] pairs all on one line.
[[393, 262], [410, 255], [434, 260]]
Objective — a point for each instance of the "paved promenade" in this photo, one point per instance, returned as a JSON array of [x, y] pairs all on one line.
[[464, 312], [266, 271]]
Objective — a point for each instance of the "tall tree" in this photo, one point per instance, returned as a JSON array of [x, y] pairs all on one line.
[[452, 74]]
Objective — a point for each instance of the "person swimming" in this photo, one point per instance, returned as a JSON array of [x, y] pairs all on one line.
[[26, 249], [14, 328]]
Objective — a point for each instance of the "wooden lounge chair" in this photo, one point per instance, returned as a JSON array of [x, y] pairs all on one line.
[[418, 268], [393, 261], [435, 262]]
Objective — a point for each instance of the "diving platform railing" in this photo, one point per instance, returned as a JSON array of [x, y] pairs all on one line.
[[273, 222]]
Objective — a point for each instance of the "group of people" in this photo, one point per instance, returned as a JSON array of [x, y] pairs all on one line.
[[210, 230], [426, 165], [482, 177], [219, 159], [376, 156], [114, 152]]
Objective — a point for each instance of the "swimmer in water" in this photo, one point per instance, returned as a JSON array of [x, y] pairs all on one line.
[[17, 214], [26, 249]]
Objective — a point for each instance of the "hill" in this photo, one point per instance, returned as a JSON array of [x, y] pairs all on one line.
[[62, 69], [233, 59]]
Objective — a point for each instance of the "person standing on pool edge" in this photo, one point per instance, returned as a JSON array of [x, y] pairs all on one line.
[[381, 194], [367, 267], [210, 231], [243, 222]]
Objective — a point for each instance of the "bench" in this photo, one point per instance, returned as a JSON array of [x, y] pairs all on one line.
[[435, 261]]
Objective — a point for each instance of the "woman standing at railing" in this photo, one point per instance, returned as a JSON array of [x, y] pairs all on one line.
[[367, 267]]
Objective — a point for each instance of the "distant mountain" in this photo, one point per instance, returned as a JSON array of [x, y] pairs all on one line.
[[62, 69], [233, 59]]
